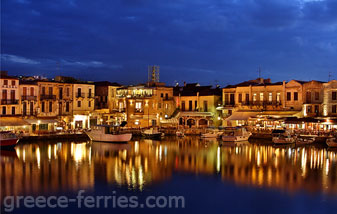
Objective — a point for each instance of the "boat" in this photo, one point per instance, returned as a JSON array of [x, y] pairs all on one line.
[[107, 133], [236, 134], [8, 139], [331, 142], [180, 133], [152, 133], [280, 136], [212, 134], [301, 140]]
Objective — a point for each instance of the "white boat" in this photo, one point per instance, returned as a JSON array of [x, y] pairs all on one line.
[[304, 140], [331, 142], [152, 133], [280, 136], [236, 134], [105, 133], [180, 133], [212, 134]]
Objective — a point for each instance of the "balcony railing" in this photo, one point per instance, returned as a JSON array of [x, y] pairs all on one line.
[[47, 97], [9, 102], [80, 95], [261, 103], [134, 95], [28, 97]]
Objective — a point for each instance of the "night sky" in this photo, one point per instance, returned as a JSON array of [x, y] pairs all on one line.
[[205, 41]]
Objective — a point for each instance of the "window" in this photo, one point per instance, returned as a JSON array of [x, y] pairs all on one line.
[[316, 95], [138, 106], [4, 94], [296, 96], [309, 109], [24, 91], [196, 104], [190, 105], [205, 106], [50, 106], [3, 109], [247, 98], [288, 96], [6, 82], [31, 91], [89, 104], [334, 109], [79, 92], [316, 109], [240, 98], [78, 103], [159, 105], [232, 99], [50, 90], [67, 106], [270, 97], [166, 106], [261, 97], [183, 105], [90, 95], [308, 96], [60, 93], [42, 107], [43, 91], [278, 97], [166, 96], [334, 95], [13, 109], [13, 82], [12, 94], [161, 95], [226, 99], [254, 97], [68, 92]]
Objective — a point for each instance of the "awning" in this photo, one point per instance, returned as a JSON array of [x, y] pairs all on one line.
[[194, 114], [301, 120], [279, 113], [241, 115], [169, 121], [41, 121], [12, 121]]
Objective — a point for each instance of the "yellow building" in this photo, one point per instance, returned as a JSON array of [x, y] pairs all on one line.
[[198, 105], [144, 105], [9, 95], [29, 103], [83, 104]]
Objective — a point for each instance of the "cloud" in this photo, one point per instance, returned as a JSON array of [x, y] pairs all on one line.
[[18, 59]]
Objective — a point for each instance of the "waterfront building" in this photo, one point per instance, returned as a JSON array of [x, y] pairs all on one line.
[[83, 104], [106, 103], [197, 105], [330, 99], [146, 105], [313, 99], [9, 96], [28, 93]]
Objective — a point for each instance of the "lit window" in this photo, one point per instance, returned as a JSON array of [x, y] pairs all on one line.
[[261, 96], [270, 98], [254, 97], [278, 97]]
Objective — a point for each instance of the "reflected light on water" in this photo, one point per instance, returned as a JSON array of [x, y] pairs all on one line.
[[137, 165]]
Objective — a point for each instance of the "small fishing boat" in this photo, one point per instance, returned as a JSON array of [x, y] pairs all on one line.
[[180, 133], [107, 133], [235, 134], [280, 136], [8, 139], [304, 140], [331, 142], [152, 133], [212, 134]]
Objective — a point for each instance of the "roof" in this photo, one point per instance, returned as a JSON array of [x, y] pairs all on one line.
[[194, 89], [107, 83]]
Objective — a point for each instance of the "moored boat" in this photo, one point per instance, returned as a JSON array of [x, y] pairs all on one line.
[[280, 136], [304, 140], [152, 133], [212, 134], [235, 134], [331, 142], [105, 133], [180, 133], [8, 139]]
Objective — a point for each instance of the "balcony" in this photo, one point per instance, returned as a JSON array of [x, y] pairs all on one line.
[[80, 95], [9, 102], [47, 97], [26, 97]]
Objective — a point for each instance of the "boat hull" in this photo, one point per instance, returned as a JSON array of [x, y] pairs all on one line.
[[331, 142], [109, 137], [277, 140], [152, 136], [9, 142], [234, 138]]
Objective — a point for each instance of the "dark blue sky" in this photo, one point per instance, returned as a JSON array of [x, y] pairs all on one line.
[[192, 40]]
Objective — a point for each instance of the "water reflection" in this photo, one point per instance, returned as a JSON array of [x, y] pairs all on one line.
[[45, 168]]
